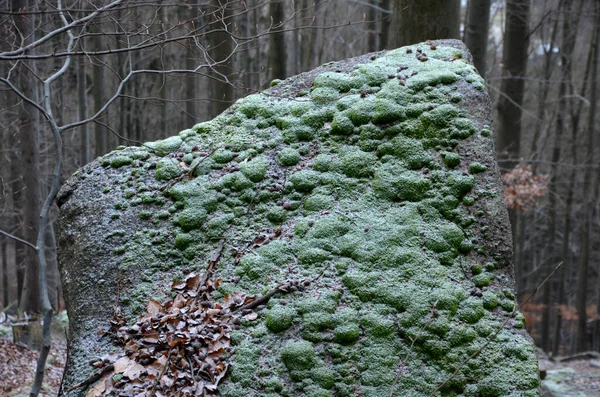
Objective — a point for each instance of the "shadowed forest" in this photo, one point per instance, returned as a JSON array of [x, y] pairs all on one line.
[[79, 78]]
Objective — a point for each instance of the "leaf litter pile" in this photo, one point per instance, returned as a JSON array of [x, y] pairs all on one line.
[[178, 348]]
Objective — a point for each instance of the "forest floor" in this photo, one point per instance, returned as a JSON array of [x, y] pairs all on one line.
[[576, 377], [17, 365]]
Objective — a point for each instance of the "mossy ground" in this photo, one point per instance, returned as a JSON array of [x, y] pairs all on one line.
[[360, 186]]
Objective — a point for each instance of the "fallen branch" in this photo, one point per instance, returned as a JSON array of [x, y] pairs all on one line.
[[92, 379]]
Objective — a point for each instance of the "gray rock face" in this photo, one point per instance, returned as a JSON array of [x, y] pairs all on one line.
[[340, 234]]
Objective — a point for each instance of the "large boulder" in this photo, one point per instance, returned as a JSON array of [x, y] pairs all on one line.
[[342, 233]]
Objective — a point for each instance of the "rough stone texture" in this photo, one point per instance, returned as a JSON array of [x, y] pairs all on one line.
[[375, 177]]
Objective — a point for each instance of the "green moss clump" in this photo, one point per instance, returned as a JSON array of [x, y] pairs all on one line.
[[305, 180], [358, 164], [289, 157], [324, 94], [440, 116], [318, 202], [360, 113], [167, 169], [277, 215], [476, 168], [405, 186], [279, 318], [183, 240], [222, 156], [342, 125], [460, 184], [324, 163], [471, 311], [431, 78], [483, 279], [145, 214], [387, 111], [346, 334], [120, 161], [451, 159], [340, 81], [298, 355], [192, 218], [411, 152], [256, 169], [323, 376], [490, 300]]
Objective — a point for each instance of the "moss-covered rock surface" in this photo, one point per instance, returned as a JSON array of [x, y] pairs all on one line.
[[371, 182]]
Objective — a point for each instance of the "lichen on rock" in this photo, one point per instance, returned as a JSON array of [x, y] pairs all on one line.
[[373, 197]]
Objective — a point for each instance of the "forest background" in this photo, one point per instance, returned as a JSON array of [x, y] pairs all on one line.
[[79, 78]]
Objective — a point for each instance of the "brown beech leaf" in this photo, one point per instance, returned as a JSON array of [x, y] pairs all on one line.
[[100, 386], [154, 307], [251, 316], [133, 370]]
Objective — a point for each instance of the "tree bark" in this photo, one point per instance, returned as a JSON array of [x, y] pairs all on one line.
[[384, 31], [221, 49], [277, 52], [514, 60], [84, 148], [476, 31], [586, 230], [419, 20], [98, 88], [568, 42], [30, 163]]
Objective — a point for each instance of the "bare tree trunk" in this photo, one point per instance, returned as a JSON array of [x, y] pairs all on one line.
[[191, 83], [567, 46], [100, 132], [514, 60], [277, 52], [16, 191], [4, 240], [53, 273], [222, 91], [476, 31], [4, 248], [586, 230], [30, 162], [384, 30], [414, 21], [84, 148], [372, 28]]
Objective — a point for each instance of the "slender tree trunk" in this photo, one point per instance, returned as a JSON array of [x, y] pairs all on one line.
[[3, 249], [53, 272], [101, 134], [566, 59], [222, 91], [514, 60], [384, 30], [277, 52], [414, 21], [372, 28], [30, 163], [191, 83], [16, 191], [84, 148], [476, 31], [586, 231]]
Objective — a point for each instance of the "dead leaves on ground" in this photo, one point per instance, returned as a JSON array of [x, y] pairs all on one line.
[[178, 348]]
